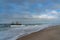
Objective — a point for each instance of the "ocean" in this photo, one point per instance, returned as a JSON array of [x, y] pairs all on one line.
[[16, 31]]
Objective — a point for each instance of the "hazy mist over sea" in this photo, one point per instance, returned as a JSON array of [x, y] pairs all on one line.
[[27, 21]]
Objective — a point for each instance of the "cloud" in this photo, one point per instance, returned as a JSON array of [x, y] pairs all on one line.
[[52, 12], [49, 14], [56, 1], [11, 6], [47, 17], [53, 6], [44, 16]]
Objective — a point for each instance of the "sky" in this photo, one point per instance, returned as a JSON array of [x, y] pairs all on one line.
[[40, 9]]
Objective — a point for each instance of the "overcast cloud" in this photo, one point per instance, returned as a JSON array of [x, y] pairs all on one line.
[[41, 9]]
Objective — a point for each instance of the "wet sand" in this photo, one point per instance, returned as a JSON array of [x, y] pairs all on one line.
[[51, 33]]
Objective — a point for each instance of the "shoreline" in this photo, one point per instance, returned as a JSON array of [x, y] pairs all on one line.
[[42, 34]]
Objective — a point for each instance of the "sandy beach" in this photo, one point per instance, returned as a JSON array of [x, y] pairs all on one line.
[[51, 33]]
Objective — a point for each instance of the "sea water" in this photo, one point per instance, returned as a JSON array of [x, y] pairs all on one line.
[[15, 31]]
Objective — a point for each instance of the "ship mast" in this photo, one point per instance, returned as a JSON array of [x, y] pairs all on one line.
[[17, 22]]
